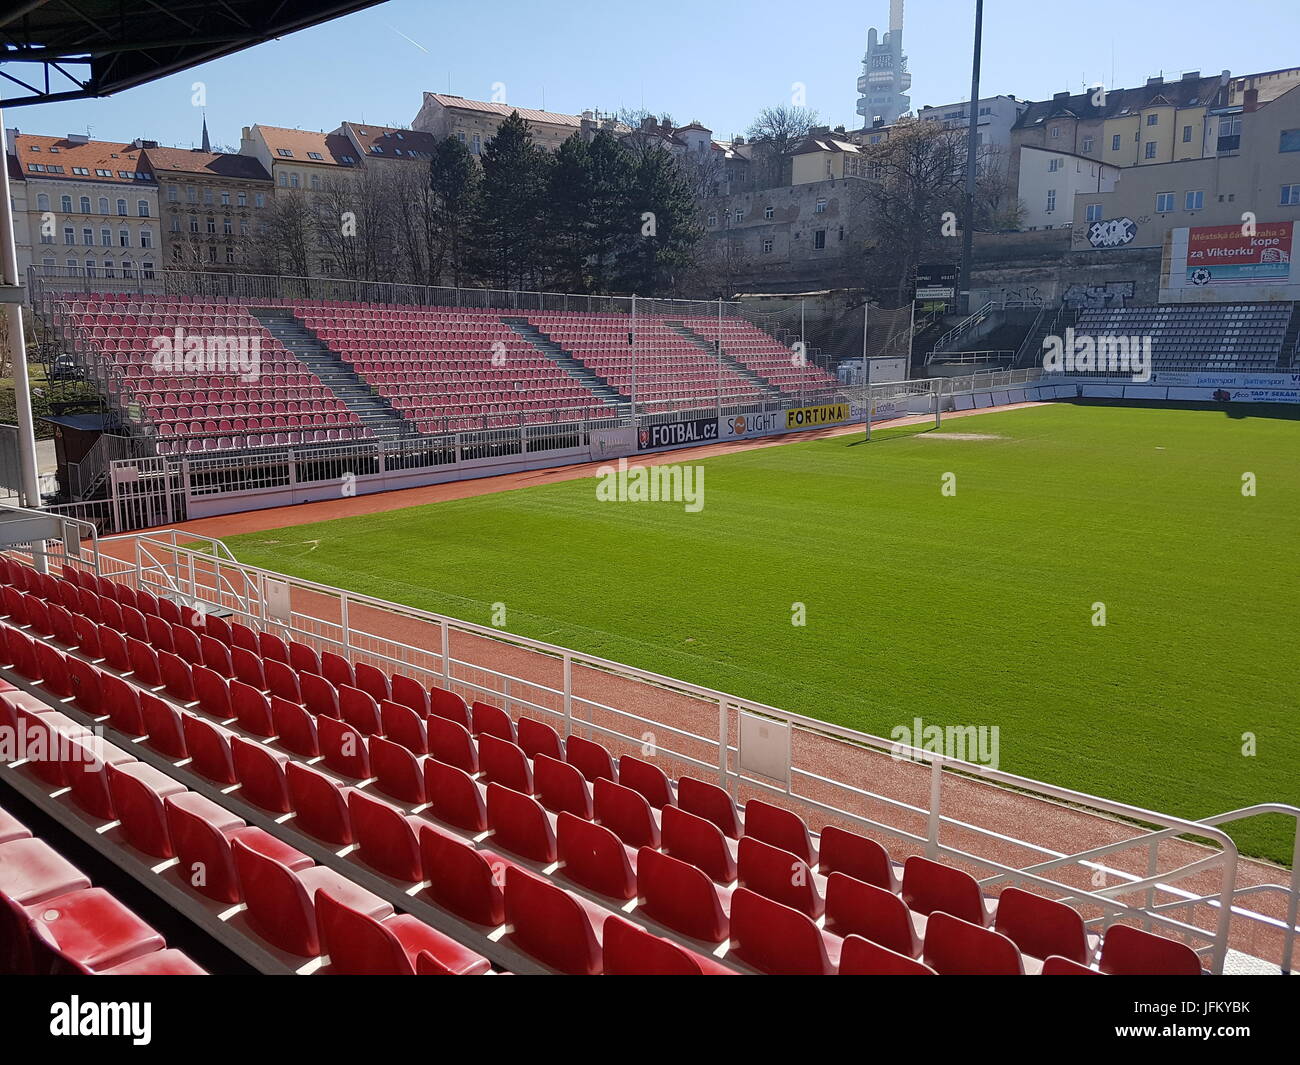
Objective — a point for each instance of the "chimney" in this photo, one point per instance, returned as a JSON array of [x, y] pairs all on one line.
[[1192, 75], [1060, 96], [1157, 80], [77, 138], [1251, 102]]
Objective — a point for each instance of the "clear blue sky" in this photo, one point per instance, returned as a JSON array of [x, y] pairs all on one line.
[[717, 62]]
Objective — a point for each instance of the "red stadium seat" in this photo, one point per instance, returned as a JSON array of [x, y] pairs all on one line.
[[776, 826], [519, 824], [536, 737], [700, 842], [954, 947], [489, 720], [857, 856], [861, 957], [559, 786], [778, 875], [1040, 927], [209, 747], [386, 838], [710, 802], [590, 759], [454, 797], [778, 940], [397, 771], [854, 907], [632, 951], [405, 726], [452, 743], [295, 728], [372, 681], [595, 858], [343, 748], [551, 925], [359, 709], [626, 813], [261, 775], [138, 791], [449, 705], [504, 763], [251, 708], [409, 693], [320, 805], [469, 883], [680, 896], [361, 945], [163, 722], [1129, 951], [648, 779], [929, 887], [92, 929], [32, 872]]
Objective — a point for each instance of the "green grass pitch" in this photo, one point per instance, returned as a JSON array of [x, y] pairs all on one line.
[[970, 608]]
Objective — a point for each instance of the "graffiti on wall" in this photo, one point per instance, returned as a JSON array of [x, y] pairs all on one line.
[[1112, 233], [1091, 297]]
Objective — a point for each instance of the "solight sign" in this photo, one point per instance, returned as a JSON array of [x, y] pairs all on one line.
[[1223, 255]]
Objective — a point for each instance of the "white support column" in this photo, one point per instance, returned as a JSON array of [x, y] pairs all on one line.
[[29, 481]]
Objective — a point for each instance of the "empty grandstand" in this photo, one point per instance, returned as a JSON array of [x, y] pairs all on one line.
[[393, 810]]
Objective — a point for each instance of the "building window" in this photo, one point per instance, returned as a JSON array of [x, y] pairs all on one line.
[[128, 268], [146, 271], [1195, 201], [767, 246], [1290, 141], [241, 199], [259, 200], [1053, 165], [227, 227], [121, 208], [142, 208], [819, 207], [105, 238], [1150, 150], [1094, 212], [768, 212], [103, 205], [207, 196], [85, 205], [88, 236], [315, 181], [317, 156], [284, 180], [146, 238], [43, 201], [191, 194], [1164, 202], [1115, 143], [284, 152], [1051, 199], [212, 226], [293, 181], [713, 220], [90, 267], [1056, 132], [230, 255], [477, 145], [1187, 134], [225, 198], [1153, 120], [176, 224], [65, 204], [1291, 195], [738, 215], [1087, 145], [819, 239], [173, 194], [69, 235], [124, 238]]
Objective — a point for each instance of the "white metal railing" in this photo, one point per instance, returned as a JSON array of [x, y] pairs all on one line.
[[590, 696]]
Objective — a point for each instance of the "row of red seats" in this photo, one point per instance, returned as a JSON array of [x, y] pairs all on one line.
[[512, 767], [53, 922]]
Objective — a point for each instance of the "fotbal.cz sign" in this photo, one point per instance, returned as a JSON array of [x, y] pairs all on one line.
[[676, 434]]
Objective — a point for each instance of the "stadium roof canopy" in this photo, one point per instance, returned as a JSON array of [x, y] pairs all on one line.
[[75, 49]]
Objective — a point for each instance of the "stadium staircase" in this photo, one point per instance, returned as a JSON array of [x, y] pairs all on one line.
[[1290, 356], [761, 383], [374, 411], [579, 371], [1048, 323]]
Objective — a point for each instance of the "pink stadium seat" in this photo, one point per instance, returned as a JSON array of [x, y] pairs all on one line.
[[559, 786], [138, 791], [261, 773], [320, 806], [92, 929], [595, 858], [648, 779], [209, 747], [343, 748], [954, 947], [489, 720], [469, 883], [505, 763], [386, 838], [778, 940], [454, 797], [854, 907], [451, 742], [551, 925], [778, 875], [32, 872], [536, 737], [402, 725], [449, 705], [359, 709], [295, 728], [163, 723], [251, 708], [590, 759], [519, 824]]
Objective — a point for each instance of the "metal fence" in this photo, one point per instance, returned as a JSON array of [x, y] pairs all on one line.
[[1149, 876]]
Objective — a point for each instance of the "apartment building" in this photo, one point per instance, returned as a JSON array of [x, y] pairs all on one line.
[[83, 207], [213, 205]]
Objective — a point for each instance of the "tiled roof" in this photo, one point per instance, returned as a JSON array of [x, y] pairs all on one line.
[[527, 114], [216, 164], [393, 143], [307, 146], [1190, 92], [59, 157], [823, 143]]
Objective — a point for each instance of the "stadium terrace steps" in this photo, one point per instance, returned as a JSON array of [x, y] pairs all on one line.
[[323, 811], [713, 351], [373, 410], [584, 375], [1291, 342]]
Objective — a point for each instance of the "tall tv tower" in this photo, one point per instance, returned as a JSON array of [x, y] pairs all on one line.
[[884, 81]]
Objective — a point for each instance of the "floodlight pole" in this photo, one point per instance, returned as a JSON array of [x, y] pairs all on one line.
[[631, 343], [972, 144], [11, 293]]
